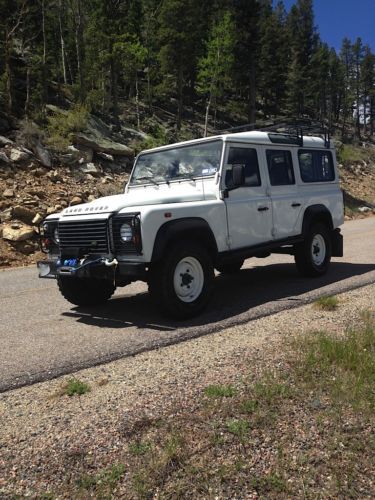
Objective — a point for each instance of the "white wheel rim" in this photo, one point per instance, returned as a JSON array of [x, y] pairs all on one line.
[[188, 279], [318, 249]]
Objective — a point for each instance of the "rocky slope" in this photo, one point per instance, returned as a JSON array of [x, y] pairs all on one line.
[[34, 183]]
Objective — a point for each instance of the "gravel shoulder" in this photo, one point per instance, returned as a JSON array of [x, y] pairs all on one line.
[[47, 439]]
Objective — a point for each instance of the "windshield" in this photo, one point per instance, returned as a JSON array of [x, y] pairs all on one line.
[[185, 162]]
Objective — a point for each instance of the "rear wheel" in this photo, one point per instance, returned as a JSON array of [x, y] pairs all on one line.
[[182, 282], [230, 267], [313, 256], [85, 291]]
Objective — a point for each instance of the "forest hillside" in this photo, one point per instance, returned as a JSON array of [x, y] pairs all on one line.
[[85, 85]]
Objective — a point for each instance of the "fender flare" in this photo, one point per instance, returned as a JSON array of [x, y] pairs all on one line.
[[316, 213], [190, 227]]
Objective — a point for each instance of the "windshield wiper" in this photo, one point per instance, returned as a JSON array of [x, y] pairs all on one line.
[[146, 178]]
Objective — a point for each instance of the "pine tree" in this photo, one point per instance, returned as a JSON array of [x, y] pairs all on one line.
[[215, 68]]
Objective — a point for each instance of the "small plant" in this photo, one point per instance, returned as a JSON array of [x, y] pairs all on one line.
[[63, 124], [139, 448], [103, 483], [75, 386], [220, 391], [249, 405], [327, 303], [238, 427]]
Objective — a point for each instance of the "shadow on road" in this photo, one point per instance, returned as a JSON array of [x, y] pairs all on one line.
[[234, 295]]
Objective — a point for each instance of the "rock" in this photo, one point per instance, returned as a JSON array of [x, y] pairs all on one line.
[[43, 155], [26, 248], [102, 144], [4, 141], [105, 156], [8, 193], [364, 210], [24, 214], [89, 168], [91, 198], [6, 215], [37, 219], [76, 200], [17, 155], [52, 210], [17, 232], [3, 157]]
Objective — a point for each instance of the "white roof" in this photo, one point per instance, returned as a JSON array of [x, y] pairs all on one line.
[[252, 137]]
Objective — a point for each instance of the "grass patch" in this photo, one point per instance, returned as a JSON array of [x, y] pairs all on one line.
[[220, 391], [139, 448], [102, 485], [344, 367], [327, 303], [75, 386], [238, 428]]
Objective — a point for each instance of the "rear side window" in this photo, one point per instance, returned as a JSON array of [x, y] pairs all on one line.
[[247, 157], [316, 166], [280, 168]]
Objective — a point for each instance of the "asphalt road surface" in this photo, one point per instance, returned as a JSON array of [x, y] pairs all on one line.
[[43, 336]]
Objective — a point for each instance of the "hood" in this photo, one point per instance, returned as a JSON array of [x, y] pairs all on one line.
[[138, 197]]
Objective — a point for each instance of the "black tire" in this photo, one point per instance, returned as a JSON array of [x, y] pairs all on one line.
[[85, 291], [188, 297], [312, 257], [230, 267]]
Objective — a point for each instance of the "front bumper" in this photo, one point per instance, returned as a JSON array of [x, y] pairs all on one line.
[[128, 271]]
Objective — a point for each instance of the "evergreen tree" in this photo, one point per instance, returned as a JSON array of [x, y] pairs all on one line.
[[215, 68], [368, 84]]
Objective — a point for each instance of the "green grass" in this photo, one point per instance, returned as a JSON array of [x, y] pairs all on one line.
[[220, 391], [327, 303], [75, 386], [102, 484], [139, 448], [238, 428], [345, 366]]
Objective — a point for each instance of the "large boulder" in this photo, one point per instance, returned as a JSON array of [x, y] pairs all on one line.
[[17, 232], [102, 144]]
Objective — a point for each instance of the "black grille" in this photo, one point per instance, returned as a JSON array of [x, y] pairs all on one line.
[[120, 246], [90, 236]]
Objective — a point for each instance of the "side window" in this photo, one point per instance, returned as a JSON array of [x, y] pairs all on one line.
[[280, 167], [247, 157], [316, 166]]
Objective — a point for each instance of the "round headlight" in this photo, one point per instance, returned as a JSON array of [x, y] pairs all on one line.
[[126, 233], [56, 238]]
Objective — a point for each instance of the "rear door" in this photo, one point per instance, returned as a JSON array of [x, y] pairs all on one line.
[[283, 190], [249, 208]]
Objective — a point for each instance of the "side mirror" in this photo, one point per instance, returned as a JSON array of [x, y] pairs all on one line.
[[238, 176]]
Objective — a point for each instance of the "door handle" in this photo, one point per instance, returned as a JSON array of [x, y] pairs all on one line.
[[262, 209], [296, 204]]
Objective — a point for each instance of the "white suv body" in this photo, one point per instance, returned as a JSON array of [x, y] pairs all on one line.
[[209, 203]]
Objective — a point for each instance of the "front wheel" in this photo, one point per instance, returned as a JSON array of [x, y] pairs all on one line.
[[313, 256], [182, 282], [85, 291]]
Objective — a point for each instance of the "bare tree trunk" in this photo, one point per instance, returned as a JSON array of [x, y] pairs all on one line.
[[8, 74], [62, 46], [252, 95], [27, 101], [78, 37], [137, 100], [207, 115], [179, 87], [44, 58]]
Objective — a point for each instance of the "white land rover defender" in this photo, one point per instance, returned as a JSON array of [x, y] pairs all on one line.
[[196, 206]]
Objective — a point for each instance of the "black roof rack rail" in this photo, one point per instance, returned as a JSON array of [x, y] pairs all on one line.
[[288, 131]]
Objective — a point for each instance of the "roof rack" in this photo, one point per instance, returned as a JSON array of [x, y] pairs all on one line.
[[288, 131]]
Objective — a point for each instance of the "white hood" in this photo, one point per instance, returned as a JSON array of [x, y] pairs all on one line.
[[157, 195]]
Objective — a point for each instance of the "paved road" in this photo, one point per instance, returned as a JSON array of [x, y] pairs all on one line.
[[43, 336]]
